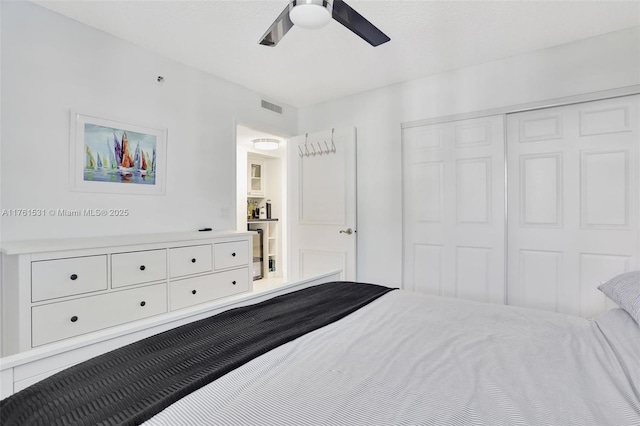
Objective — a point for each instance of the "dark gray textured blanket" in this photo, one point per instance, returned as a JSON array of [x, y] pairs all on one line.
[[131, 384]]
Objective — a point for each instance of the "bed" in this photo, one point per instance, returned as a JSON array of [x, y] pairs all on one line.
[[346, 353]]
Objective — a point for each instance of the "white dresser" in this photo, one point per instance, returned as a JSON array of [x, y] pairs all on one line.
[[58, 289]]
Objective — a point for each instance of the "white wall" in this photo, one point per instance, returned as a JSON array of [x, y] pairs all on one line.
[[241, 185], [1, 268], [50, 65], [599, 63]]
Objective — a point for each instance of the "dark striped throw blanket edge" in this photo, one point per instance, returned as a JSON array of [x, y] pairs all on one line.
[[129, 385]]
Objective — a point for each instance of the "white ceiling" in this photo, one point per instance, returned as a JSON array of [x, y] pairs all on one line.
[[311, 66]]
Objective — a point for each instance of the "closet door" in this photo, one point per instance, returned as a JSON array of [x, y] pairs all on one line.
[[573, 217], [453, 183]]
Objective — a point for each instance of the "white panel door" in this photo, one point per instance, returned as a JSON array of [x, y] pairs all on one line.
[[573, 196], [322, 200], [453, 183]]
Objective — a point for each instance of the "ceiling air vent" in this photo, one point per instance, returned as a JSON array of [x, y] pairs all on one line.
[[271, 107]]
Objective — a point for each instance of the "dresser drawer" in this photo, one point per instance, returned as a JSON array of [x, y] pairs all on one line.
[[190, 260], [66, 277], [193, 291], [230, 255], [138, 267], [70, 318]]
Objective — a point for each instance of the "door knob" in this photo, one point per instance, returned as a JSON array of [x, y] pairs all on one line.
[[347, 231]]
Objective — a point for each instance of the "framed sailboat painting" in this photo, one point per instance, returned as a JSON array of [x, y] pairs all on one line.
[[116, 156]]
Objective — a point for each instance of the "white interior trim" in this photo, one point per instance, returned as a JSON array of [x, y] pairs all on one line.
[[585, 97]]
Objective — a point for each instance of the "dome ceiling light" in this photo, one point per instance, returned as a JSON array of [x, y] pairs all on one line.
[[266, 144]]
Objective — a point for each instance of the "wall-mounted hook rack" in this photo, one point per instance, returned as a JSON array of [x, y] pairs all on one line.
[[320, 150]]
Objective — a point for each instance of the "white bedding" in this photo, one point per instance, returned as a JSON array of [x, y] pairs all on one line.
[[413, 359]]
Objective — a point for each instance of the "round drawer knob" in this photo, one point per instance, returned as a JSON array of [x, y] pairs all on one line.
[[142, 267], [233, 282], [193, 260], [143, 303], [73, 277], [233, 254], [193, 292], [74, 318]]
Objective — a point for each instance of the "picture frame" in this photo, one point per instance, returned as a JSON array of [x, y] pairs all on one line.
[[113, 156]]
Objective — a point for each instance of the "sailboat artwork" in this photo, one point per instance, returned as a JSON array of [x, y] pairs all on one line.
[[119, 156]]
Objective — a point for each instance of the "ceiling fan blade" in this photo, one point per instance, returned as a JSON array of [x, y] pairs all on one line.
[[278, 29], [355, 22]]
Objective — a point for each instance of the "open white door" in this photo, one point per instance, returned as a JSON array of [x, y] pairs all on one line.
[[322, 203]]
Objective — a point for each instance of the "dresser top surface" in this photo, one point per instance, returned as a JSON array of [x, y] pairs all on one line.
[[40, 246]]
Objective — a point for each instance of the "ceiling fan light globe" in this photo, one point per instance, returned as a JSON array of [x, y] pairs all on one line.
[[312, 15]]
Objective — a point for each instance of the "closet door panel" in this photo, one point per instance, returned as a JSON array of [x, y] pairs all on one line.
[[473, 190], [573, 196], [605, 119], [541, 190], [540, 277], [428, 181], [604, 189], [473, 267], [428, 267], [598, 268], [426, 209], [453, 183]]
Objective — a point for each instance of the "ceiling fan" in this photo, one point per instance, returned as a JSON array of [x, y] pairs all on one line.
[[316, 14]]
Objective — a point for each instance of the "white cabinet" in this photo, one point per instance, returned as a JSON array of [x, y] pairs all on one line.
[[138, 267], [269, 255], [190, 260], [255, 178], [57, 321], [51, 279], [232, 254], [193, 291], [59, 289], [271, 245]]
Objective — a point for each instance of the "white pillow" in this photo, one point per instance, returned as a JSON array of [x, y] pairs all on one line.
[[624, 289]]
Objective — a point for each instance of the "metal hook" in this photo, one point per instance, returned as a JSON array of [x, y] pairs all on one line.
[[326, 145], [306, 148], [300, 151], [314, 150], [333, 145], [320, 151]]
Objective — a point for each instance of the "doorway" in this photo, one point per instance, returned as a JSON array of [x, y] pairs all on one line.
[[262, 202]]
